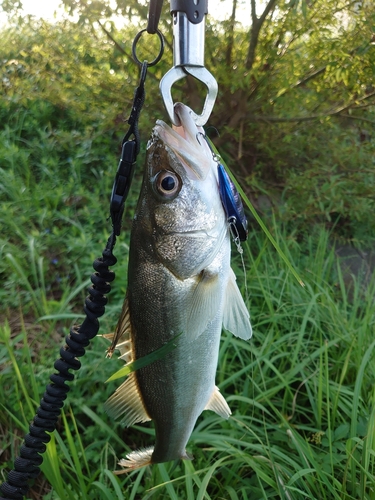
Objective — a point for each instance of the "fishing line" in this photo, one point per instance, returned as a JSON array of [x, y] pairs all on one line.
[[237, 242]]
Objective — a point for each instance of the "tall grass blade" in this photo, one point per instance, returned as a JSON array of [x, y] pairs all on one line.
[[257, 218], [167, 482]]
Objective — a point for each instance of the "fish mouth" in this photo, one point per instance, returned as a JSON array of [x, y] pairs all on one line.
[[187, 143], [187, 129]]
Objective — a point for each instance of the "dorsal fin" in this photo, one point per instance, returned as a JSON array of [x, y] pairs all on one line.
[[127, 400], [121, 338]]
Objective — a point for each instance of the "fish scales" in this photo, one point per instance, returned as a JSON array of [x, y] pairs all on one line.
[[180, 284]]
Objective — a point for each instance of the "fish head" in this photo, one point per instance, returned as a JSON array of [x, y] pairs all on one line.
[[180, 200]]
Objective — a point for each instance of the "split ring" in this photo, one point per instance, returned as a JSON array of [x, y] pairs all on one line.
[[158, 57]]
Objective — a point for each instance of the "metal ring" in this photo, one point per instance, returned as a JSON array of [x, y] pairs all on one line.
[[159, 56]]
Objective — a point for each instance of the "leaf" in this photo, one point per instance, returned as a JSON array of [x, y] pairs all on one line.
[[341, 432], [145, 360]]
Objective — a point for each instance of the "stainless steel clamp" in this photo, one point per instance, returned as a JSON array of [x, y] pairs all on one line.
[[188, 56]]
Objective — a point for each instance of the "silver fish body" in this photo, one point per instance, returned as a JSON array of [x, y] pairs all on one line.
[[180, 284]]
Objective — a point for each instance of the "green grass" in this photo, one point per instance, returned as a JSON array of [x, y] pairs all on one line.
[[302, 391]]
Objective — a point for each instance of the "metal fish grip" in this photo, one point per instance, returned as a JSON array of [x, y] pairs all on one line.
[[188, 57]]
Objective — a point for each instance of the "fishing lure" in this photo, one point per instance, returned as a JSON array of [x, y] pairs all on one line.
[[230, 199], [232, 204]]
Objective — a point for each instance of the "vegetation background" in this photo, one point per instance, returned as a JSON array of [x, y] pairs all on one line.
[[295, 113]]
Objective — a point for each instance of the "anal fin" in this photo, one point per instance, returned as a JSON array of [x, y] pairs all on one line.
[[218, 404], [135, 460]]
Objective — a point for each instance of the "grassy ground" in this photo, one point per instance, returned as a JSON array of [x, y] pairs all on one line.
[[301, 391]]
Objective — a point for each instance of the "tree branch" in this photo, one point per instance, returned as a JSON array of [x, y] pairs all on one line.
[[120, 48], [228, 55], [310, 76], [117, 45], [255, 30], [334, 112], [271, 4], [253, 12], [359, 118]]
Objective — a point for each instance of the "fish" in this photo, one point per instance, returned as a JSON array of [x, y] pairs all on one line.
[[181, 289]]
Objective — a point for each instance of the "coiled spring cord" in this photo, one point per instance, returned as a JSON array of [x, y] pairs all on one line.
[[27, 464]]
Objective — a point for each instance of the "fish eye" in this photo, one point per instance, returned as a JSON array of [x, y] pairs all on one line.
[[167, 184]]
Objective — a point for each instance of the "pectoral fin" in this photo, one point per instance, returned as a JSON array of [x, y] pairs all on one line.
[[218, 404], [236, 316], [204, 304], [127, 400]]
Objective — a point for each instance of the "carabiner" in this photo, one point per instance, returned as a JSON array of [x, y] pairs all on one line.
[[188, 56]]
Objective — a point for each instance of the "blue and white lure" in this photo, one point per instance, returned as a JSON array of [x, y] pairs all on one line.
[[232, 204], [231, 201]]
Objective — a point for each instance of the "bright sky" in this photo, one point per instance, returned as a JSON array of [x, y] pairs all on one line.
[[220, 9], [41, 8]]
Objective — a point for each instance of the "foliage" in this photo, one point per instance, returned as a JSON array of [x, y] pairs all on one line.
[[301, 111], [294, 111]]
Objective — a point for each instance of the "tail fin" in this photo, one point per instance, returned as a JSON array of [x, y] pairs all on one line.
[[136, 460]]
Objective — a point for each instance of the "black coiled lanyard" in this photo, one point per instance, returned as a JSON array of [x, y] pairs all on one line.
[[27, 464]]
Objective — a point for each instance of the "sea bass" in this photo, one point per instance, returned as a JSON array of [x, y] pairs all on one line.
[[180, 286]]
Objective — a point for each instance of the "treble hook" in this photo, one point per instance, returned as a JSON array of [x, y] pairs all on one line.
[[188, 56]]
